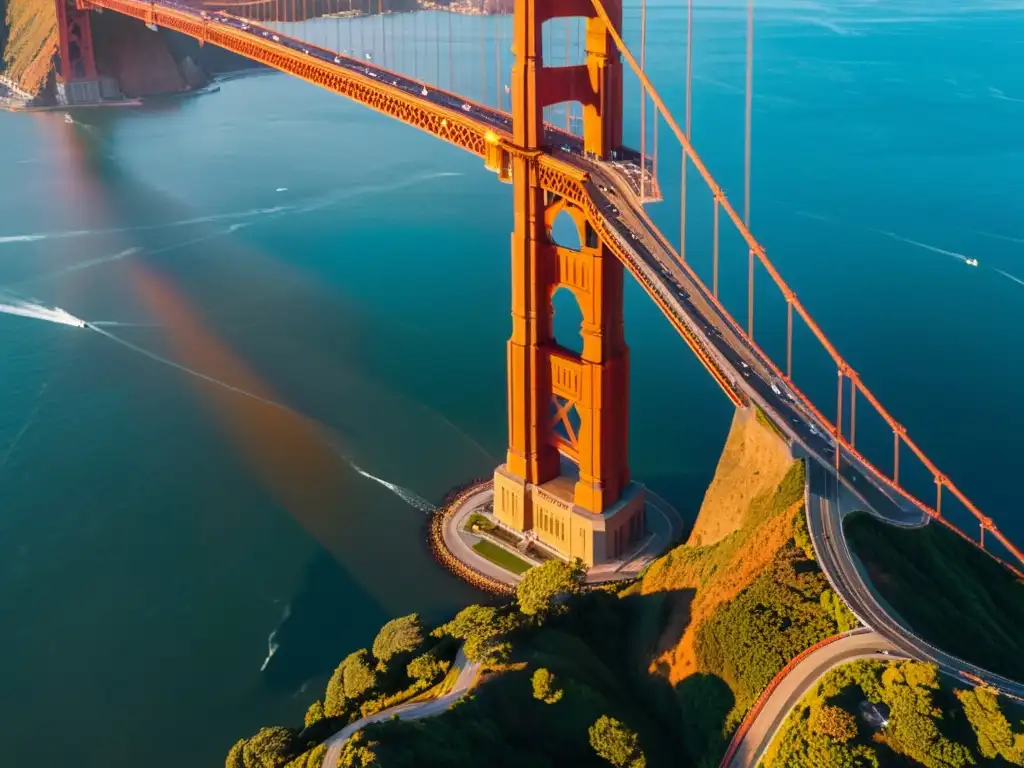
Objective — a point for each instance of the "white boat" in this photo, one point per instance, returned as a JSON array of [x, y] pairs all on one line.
[[68, 118], [972, 262]]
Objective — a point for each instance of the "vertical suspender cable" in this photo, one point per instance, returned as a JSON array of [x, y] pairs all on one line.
[[497, 62], [451, 55], [580, 57], [437, 49], [853, 413], [714, 252], [643, 97], [483, 55], [746, 162], [568, 104], [689, 137], [383, 38]]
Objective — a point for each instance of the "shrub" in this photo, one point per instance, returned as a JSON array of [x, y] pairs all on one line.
[[358, 676], [616, 743], [544, 686], [314, 714], [401, 635], [427, 667], [835, 723], [542, 585]]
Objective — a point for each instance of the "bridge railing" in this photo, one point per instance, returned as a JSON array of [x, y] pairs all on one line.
[[844, 370]]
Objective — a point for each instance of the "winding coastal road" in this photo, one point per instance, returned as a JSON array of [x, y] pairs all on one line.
[[754, 743], [827, 504], [468, 672]]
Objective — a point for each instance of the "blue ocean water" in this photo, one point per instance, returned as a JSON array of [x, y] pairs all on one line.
[[160, 533]]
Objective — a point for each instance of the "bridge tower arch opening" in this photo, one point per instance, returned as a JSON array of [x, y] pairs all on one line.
[[562, 405]]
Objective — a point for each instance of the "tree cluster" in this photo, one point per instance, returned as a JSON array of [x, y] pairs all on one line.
[[925, 723]]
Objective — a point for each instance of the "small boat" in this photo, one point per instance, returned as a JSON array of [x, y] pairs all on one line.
[[68, 118], [972, 262]]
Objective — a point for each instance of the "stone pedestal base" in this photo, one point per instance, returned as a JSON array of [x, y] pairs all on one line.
[[549, 511]]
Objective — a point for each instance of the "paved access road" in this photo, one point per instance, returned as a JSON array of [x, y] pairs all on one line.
[[826, 504], [468, 672], [801, 679]]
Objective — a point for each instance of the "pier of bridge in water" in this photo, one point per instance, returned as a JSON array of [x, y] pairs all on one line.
[[547, 117]]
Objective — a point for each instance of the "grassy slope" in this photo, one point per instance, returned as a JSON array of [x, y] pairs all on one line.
[[974, 607], [31, 43], [752, 464], [718, 622]]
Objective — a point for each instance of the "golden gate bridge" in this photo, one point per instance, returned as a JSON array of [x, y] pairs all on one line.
[[544, 109]]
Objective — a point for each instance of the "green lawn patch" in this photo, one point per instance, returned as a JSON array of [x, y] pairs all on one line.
[[952, 594], [501, 557]]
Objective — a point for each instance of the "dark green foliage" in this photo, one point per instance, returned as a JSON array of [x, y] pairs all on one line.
[[543, 585], [834, 723], [401, 635], [427, 667], [836, 608], [234, 758], [358, 752], [358, 676], [314, 714], [801, 536], [750, 639], [926, 725], [483, 628], [616, 743], [975, 606], [995, 736], [705, 703], [503, 724], [269, 748], [313, 758], [352, 678], [545, 688]]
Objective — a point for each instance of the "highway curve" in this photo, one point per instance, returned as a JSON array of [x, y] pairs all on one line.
[[468, 672], [861, 644]]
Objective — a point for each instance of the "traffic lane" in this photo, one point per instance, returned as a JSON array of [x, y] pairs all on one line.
[[800, 680], [704, 316], [839, 564], [738, 352]]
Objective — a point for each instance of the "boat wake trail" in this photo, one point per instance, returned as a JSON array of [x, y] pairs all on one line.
[[1008, 276], [23, 308], [118, 324], [413, 500], [272, 644], [190, 371], [925, 246], [251, 214], [72, 233], [409, 497]]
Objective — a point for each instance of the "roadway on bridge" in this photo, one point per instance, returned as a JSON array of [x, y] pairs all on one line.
[[690, 304], [468, 672], [735, 357], [801, 679]]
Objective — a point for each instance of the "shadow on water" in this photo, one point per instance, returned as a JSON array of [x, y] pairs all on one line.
[[327, 618]]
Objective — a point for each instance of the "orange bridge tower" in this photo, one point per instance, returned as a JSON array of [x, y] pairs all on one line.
[[77, 79], [566, 475]]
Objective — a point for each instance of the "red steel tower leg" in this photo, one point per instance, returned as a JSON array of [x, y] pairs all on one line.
[[76, 53], [596, 514]]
